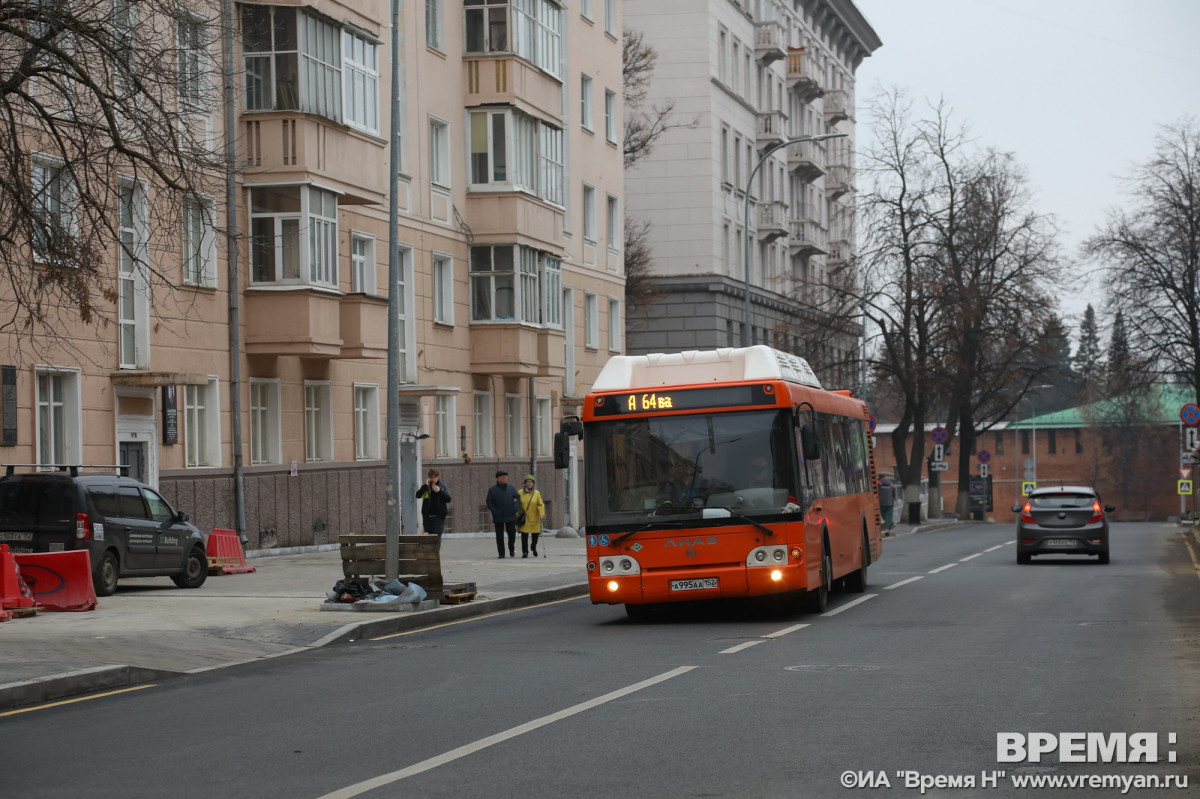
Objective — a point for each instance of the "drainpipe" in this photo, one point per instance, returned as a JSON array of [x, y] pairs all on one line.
[[235, 348]]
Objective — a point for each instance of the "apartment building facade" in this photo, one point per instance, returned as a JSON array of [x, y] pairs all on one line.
[[745, 76], [509, 272]]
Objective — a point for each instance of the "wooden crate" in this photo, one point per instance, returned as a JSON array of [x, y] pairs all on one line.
[[420, 559]]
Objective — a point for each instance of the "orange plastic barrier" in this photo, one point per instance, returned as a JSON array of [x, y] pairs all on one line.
[[11, 595], [59, 580], [225, 555]]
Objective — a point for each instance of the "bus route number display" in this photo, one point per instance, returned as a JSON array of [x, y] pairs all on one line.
[[686, 399]]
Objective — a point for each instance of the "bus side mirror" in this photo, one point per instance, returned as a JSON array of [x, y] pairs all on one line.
[[572, 426], [808, 442], [562, 450]]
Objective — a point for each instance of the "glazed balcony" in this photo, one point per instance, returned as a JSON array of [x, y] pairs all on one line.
[[807, 159], [516, 350], [301, 321], [837, 181], [840, 255], [769, 42], [803, 74], [300, 148], [505, 79], [808, 238], [837, 106], [772, 220], [772, 129]]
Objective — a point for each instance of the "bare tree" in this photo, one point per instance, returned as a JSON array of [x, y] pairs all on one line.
[[643, 126], [96, 95], [1152, 253]]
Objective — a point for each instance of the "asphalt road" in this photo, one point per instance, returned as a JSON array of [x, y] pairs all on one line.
[[952, 645]]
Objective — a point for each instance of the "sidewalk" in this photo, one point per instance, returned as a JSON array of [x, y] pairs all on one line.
[[150, 628]]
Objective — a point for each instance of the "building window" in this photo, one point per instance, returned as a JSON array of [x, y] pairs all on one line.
[[610, 17], [362, 263], [439, 152], [550, 289], [318, 422], [434, 24], [614, 224], [133, 305], [487, 26], [585, 8], [1078, 442], [537, 33], [202, 435], [265, 437], [443, 432], [192, 62], [534, 149], [291, 61], [366, 422], [484, 438], [1024, 442], [999, 447], [493, 284], [496, 292], [591, 321], [408, 322], [610, 115], [199, 243], [279, 252], [514, 445], [614, 324], [360, 71], [585, 102], [543, 427], [1052, 441], [59, 437], [443, 289], [589, 213], [54, 199]]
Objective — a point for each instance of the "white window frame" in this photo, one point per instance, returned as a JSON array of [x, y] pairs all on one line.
[[435, 24], [585, 9], [610, 17], [312, 69], [59, 419], [586, 118], [514, 443], [591, 320], [408, 318], [485, 438], [589, 213], [496, 286], [614, 223], [318, 421], [509, 150], [362, 263], [443, 425], [443, 288], [614, 324], [544, 427], [439, 152], [199, 242], [315, 253], [54, 199], [366, 421], [610, 115], [266, 436], [133, 276], [360, 75], [193, 64], [202, 424], [486, 23]]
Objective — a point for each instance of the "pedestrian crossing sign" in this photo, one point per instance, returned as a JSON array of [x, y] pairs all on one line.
[[1185, 488], [1027, 488]]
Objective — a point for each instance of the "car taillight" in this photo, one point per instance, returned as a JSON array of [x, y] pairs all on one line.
[[1027, 514], [1097, 512], [83, 526]]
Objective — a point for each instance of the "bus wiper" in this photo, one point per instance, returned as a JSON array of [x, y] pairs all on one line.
[[748, 520], [643, 529]]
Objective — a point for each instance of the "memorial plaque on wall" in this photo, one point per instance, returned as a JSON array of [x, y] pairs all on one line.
[[8, 405], [170, 408]]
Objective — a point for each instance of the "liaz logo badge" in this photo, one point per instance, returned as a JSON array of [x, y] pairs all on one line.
[[690, 542]]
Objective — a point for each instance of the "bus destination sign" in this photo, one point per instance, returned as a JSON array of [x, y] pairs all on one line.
[[683, 399]]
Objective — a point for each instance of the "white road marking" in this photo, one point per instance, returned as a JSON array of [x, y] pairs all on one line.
[[904, 582], [785, 631], [849, 605], [500, 737], [943, 568], [969, 557], [744, 645], [993, 549]]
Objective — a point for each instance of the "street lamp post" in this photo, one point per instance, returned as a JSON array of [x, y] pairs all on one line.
[[1017, 444], [746, 217]]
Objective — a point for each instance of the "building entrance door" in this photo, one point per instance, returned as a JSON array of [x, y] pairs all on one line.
[[133, 455]]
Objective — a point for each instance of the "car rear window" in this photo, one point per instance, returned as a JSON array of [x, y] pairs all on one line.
[[37, 503], [1063, 501]]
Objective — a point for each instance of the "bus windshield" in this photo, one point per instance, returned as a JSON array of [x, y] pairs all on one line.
[[643, 471]]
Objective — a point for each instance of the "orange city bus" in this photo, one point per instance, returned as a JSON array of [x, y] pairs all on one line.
[[723, 473]]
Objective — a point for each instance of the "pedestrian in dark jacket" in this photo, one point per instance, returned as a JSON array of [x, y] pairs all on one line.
[[502, 501], [434, 496]]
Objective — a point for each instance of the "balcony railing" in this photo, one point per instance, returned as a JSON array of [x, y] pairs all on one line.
[[837, 181], [807, 159], [772, 129], [840, 255], [808, 237], [769, 45], [803, 75], [772, 220], [837, 106]]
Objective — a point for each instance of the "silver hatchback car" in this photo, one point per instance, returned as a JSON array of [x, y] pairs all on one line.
[[1067, 520]]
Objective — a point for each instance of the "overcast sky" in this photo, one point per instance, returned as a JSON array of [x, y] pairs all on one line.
[[1073, 88]]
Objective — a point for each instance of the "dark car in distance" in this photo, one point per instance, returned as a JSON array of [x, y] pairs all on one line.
[[127, 527], [1066, 520]]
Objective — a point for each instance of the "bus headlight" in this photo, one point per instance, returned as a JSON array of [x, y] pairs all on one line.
[[613, 585], [776, 575], [622, 565], [767, 556]]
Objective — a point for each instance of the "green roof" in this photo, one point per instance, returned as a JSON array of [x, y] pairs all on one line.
[[1160, 406]]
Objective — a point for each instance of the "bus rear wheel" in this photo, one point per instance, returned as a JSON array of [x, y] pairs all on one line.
[[856, 582]]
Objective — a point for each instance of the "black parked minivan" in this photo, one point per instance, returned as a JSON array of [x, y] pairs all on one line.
[[127, 527]]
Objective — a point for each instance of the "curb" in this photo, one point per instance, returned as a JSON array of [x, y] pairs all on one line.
[[14, 696]]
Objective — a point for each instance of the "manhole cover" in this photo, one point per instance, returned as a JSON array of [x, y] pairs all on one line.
[[831, 667]]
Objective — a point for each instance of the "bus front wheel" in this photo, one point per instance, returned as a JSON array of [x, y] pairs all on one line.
[[818, 598]]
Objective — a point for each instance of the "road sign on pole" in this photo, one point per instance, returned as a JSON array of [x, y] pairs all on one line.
[[983, 470], [939, 434], [1185, 488], [984, 456], [1027, 487], [938, 466], [1190, 414], [939, 452]]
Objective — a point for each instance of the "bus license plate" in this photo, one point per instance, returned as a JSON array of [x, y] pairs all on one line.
[[694, 585], [1060, 542]]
